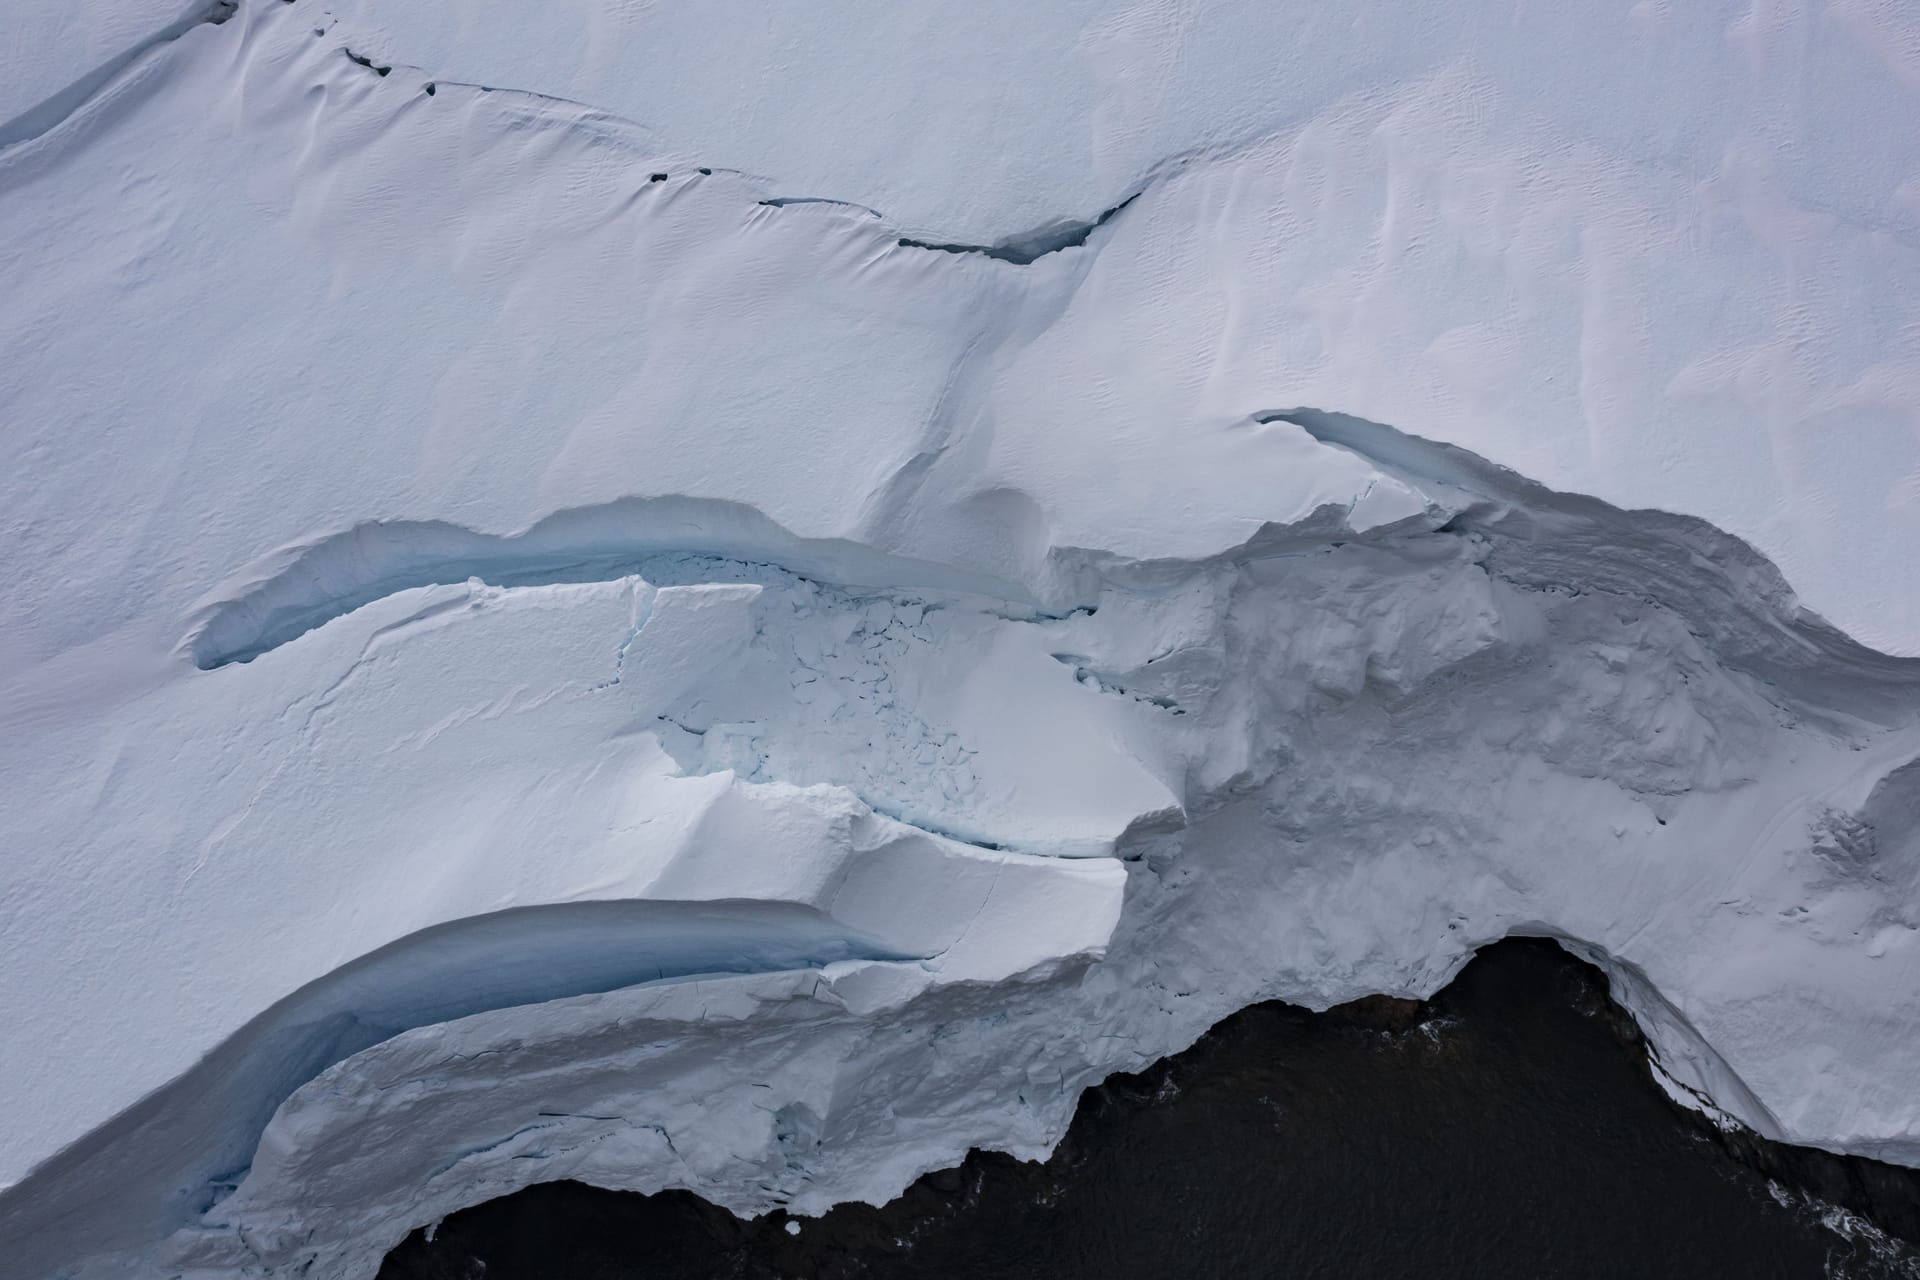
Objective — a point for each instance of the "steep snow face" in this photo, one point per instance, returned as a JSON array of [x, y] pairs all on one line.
[[535, 653]]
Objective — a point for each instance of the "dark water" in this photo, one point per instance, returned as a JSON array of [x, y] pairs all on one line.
[[1508, 1127]]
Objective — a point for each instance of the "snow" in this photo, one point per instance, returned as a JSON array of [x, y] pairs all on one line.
[[1663, 253], [58, 53], [551, 630]]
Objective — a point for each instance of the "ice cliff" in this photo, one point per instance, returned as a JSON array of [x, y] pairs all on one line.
[[761, 632]]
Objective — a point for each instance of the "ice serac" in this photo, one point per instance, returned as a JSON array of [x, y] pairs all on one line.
[[536, 653]]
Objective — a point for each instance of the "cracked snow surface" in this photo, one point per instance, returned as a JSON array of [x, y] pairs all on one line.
[[533, 653]]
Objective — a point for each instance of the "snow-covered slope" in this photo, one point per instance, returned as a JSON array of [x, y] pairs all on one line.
[[536, 652], [1667, 253]]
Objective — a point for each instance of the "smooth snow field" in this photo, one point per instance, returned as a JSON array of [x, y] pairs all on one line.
[[749, 597]]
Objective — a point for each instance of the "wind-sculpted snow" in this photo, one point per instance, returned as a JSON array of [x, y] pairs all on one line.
[[1662, 253], [59, 55], [479, 564]]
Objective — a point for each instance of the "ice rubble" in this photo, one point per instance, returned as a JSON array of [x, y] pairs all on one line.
[[534, 655]]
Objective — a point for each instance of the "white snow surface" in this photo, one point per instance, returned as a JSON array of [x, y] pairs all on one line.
[[557, 640]]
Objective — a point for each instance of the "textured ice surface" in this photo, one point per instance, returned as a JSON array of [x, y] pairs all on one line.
[[550, 640]]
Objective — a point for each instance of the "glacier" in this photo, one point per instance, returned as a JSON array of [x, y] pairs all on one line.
[[750, 597]]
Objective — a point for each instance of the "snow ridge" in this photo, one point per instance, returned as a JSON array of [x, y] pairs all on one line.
[[49, 113]]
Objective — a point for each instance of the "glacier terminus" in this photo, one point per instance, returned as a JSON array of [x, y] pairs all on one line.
[[751, 596]]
